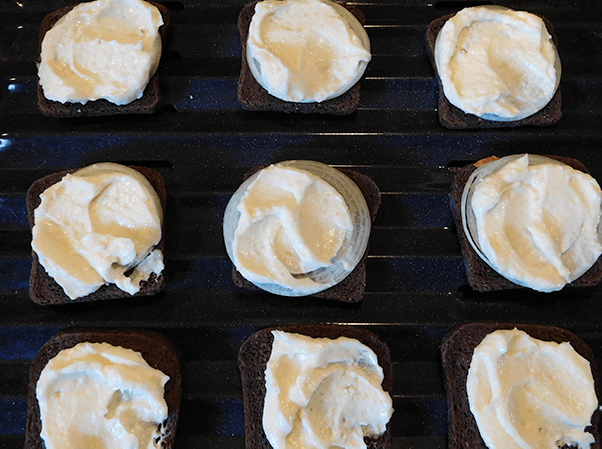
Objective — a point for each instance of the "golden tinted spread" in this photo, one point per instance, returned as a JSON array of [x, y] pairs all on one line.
[[96, 395], [497, 63], [538, 224], [291, 222], [323, 393], [97, 224], [306, 50], [528, 393], [106, 49]]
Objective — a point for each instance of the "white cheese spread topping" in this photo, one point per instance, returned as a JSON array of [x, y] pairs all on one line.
[[538, 224], [323, 393], [97, 224], [96, 395], [103, 49], [291, 223], [497, 63], [528, 393], [306, 50]]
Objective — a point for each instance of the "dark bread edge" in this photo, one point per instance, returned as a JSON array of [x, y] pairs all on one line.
[[149, 103], [453, 117], [481, 276], [456, 354], [253, 97], [44, 290], [353, 287], [253, 357], [156, 349]]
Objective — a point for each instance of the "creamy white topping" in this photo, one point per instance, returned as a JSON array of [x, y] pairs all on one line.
[[103, 49], [96, 395], [291, 222], [323, 393], [497, 63], [528, 393], [95, 225], [306, 50], [538, 224]]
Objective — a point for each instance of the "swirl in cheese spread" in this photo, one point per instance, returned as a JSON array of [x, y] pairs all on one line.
[[97, 224], [306, 50], [103, 49], [497, 63], [291, 223], [538, 224], [323, 393], [528, 393], [96, 395]]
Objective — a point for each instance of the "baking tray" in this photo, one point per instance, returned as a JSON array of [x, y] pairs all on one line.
[[203, 143]]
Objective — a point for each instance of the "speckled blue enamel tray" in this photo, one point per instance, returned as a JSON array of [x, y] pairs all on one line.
[[203, 142]]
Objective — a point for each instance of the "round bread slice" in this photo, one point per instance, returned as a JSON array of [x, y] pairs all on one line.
[[253, 358], [156, 349]]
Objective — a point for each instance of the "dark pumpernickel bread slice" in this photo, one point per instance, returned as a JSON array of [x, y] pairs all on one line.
[[453, 117], [253, 358], [44, 290], [481, 276], [149, 103], [456, 355], [353, 287], [254, 97], [157, 350]]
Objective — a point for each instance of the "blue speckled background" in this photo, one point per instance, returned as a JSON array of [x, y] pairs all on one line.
[[203, 143]]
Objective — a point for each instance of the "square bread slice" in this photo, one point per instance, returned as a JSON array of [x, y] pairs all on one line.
[[149, 103], [156, 349], [456, 355], [253, 97], [483, 278], [453, 117], [253, 358], [353, 287], [44, 290]]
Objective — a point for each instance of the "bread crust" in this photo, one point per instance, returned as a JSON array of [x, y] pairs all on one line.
[[156, 349], [44, 290], [453, 117], [253, 358], [456, 354], [481, 276], [149, 103], [253, 97], [353, 287]]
